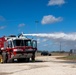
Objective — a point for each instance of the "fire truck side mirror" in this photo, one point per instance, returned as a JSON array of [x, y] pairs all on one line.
[[34, 44]]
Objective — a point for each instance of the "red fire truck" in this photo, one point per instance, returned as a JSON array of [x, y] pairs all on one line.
[[17, 48]]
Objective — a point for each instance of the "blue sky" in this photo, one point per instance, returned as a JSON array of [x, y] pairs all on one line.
[[18, 16]]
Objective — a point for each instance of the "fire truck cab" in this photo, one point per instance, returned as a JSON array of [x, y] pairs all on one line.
[[20, 48]]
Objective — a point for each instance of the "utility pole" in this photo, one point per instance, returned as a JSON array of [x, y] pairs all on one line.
[[60, 46], [36, 22]]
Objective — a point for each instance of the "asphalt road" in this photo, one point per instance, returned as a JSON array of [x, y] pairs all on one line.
[[44, 65]]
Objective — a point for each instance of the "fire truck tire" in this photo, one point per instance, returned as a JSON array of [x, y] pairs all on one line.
[[4, 57], [33, 57], [11, 60], [27, 59]]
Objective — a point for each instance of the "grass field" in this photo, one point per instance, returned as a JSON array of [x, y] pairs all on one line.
[[71, 57]]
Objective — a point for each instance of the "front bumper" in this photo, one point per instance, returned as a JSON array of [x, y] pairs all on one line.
[[30, 51], [26, 51], [20, 56], [24, 54]]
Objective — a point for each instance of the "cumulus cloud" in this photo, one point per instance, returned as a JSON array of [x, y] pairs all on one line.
[[21, 25], [56, 2], [49, 19], [2, 27]]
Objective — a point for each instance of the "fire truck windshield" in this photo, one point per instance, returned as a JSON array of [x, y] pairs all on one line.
[[22, 43]]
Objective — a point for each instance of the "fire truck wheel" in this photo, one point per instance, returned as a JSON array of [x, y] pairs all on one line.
[[33, 57], [11, 60], [4, 57], [27, 59]]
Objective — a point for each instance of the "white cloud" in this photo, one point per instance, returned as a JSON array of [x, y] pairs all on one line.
[[21, 25], [56, 2], [2, 27], [49, 19]]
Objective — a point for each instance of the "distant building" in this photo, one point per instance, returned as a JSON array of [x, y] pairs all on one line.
[[72, 51]]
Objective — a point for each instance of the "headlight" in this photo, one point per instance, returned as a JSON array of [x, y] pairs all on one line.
[[2, 48]]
